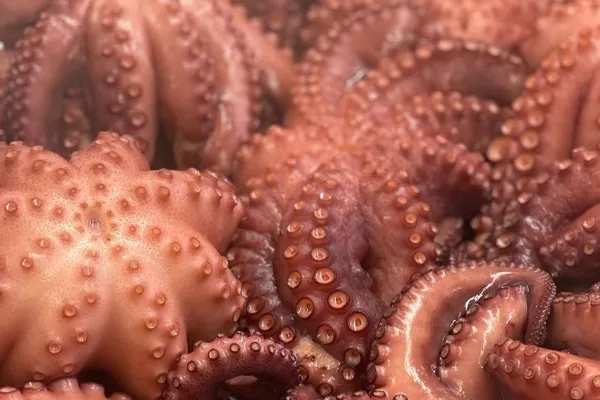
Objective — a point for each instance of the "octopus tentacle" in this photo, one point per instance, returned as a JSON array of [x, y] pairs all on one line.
[[118, 50], [472, 337], [275, 66], [532, 372], [33, 95], [399, 229], [445, 65], [198, 374], [573, 324], [252, 252], [469, 120], [557, 112], [419, 318], [319, 267], [343, 55], [425, 158], [62, 389], [210, 121], [554, 229]]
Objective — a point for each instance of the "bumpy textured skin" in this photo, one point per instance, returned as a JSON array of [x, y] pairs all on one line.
[[198, 374], [62, 389], [502, 24], [107, 265], [548, 221], [532, 372], [284, 18], [357, 57], [557, 112], [423, 312], [88, 65]]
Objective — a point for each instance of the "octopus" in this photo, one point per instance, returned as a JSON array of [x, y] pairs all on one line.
[[344, 207], [91, 65], [400, 233], [137, 255]]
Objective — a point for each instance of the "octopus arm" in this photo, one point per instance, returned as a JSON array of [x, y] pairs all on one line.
[[342, 56], [533, 372], [123, 77], [421, 315], [465, 119], [557, 111], [445, 65], [559, 227], [473, 335], [318, 264], [62, 389], [40, 72], [207, 94], [400, 231], [197, 375]]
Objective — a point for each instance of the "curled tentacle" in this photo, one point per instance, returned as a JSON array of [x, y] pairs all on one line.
[[62, 389], [469, 120], [557, 112], [343, 55], [532, 372], [198, 374], [445, 65], [473, 335], [423, 312]]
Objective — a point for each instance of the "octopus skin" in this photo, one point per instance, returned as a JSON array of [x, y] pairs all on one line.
[[532, 372], [62, 389], [14, 17], [284, 18], [404, 353], [556, 112], [498, 23], [287, 237], [103, 64], [137, 255], [197, 375], [347, 66], [555, 229], [572, 325]]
